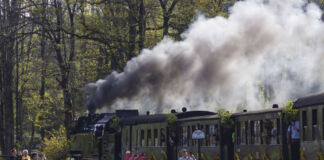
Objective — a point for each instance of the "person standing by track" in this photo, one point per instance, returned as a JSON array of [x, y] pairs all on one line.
[[293, 138]]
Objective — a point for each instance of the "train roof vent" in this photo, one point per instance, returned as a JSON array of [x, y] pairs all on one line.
[[275, 106]]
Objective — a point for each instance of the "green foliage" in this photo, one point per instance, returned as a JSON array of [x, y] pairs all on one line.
[[290, 114], [115, 124], [212, 8], [171, 120], [56, 147], [225, 117]]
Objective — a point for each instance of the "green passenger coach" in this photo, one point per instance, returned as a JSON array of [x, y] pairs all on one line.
[[145, 134], [258, 134], [311, 116], [210, 146]]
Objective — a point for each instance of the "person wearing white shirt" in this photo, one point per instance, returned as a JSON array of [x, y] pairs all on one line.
[[293, 138]]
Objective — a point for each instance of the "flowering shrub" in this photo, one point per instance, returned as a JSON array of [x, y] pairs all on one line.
[[56, 147]]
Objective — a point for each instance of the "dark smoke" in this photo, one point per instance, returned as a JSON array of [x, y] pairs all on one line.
[[220, 61]]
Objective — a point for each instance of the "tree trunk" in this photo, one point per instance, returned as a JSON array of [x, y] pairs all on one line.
[[31, 142], [64, 69], [7, 63], [167, 14], [18, 124], [2, 143], [7, 92], [166, 19], [68, 108], [141, 26], [43, 75], [66, 79], [132, 28]]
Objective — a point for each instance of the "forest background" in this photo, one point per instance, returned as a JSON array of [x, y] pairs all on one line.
[[49, 50]]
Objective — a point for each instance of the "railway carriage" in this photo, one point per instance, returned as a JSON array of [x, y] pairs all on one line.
[[154, 135], [147, 134], [216, 144], [259, 135], [311, 116]]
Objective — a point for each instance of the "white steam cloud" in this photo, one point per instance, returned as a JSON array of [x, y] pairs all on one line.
[[225, 62]]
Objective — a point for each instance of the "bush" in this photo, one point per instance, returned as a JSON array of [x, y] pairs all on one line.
[[56, 147], [290, 114], [225, 117], [171, 120], [115, 124]]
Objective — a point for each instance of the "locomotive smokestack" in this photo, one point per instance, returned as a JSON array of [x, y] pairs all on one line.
[[275, 106], [184, 109]]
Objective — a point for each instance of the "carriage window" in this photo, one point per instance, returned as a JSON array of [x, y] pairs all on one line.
[[188, 134], [278, 131], [257, 132], [207, 139], [138, 133], [162, 137], [155, 137], [217, 138], [261, 132], [246, 123], [149, 138], [184, 136], [314, 124], [244, 133], [268, 125], [193, 128], [201, 127], [238, 132], [251, 132], [274, 132], [212, 135], [127, 135], [304, 118], [142, 138], [180, 136]]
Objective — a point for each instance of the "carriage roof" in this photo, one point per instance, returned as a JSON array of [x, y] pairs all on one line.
[[309, 100]]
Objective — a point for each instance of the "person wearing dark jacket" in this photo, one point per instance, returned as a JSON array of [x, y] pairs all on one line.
[[13, 155], [34, 156]]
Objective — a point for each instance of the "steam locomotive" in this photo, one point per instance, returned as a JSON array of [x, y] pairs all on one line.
[[253, 135]]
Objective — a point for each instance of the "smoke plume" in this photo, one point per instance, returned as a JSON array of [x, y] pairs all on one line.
[[265, 52]]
